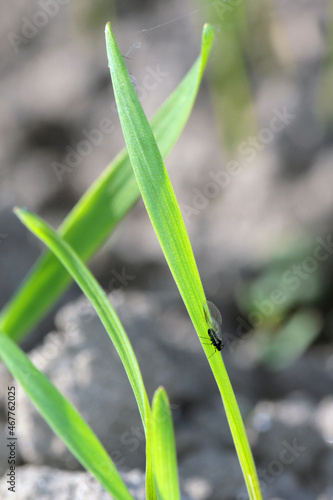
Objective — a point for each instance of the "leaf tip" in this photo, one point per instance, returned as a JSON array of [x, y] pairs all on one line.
[[108, 29], [208, 34], [20, 211], [159, 392], [109, 36]]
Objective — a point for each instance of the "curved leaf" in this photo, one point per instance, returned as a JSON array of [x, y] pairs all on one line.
[[63, 418], [104, 309]]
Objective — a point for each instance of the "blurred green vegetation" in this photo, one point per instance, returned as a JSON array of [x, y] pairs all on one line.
[[230, 86], [288, 300], [92, 16], [243, 44]]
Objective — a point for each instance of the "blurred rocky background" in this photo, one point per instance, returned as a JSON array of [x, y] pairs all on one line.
[[253, 174]]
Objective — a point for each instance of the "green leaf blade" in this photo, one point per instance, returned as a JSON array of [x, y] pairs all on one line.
[[97, 297], [166, 218], [155, 185], [164, 448], [63, 418]]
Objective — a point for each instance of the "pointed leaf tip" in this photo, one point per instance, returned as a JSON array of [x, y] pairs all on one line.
[[108, 30], [20, 211], [208, 34]]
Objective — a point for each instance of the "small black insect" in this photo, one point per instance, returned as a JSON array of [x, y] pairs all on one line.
[[215, 320], [215, 340]]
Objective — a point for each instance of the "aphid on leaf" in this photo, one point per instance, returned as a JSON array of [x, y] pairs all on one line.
[[215, 321]]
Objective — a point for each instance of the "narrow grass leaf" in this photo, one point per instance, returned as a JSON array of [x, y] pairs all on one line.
[[166, 218], [102, 207], [63, 418], [164, 448], [104, 309], [154, 182]]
